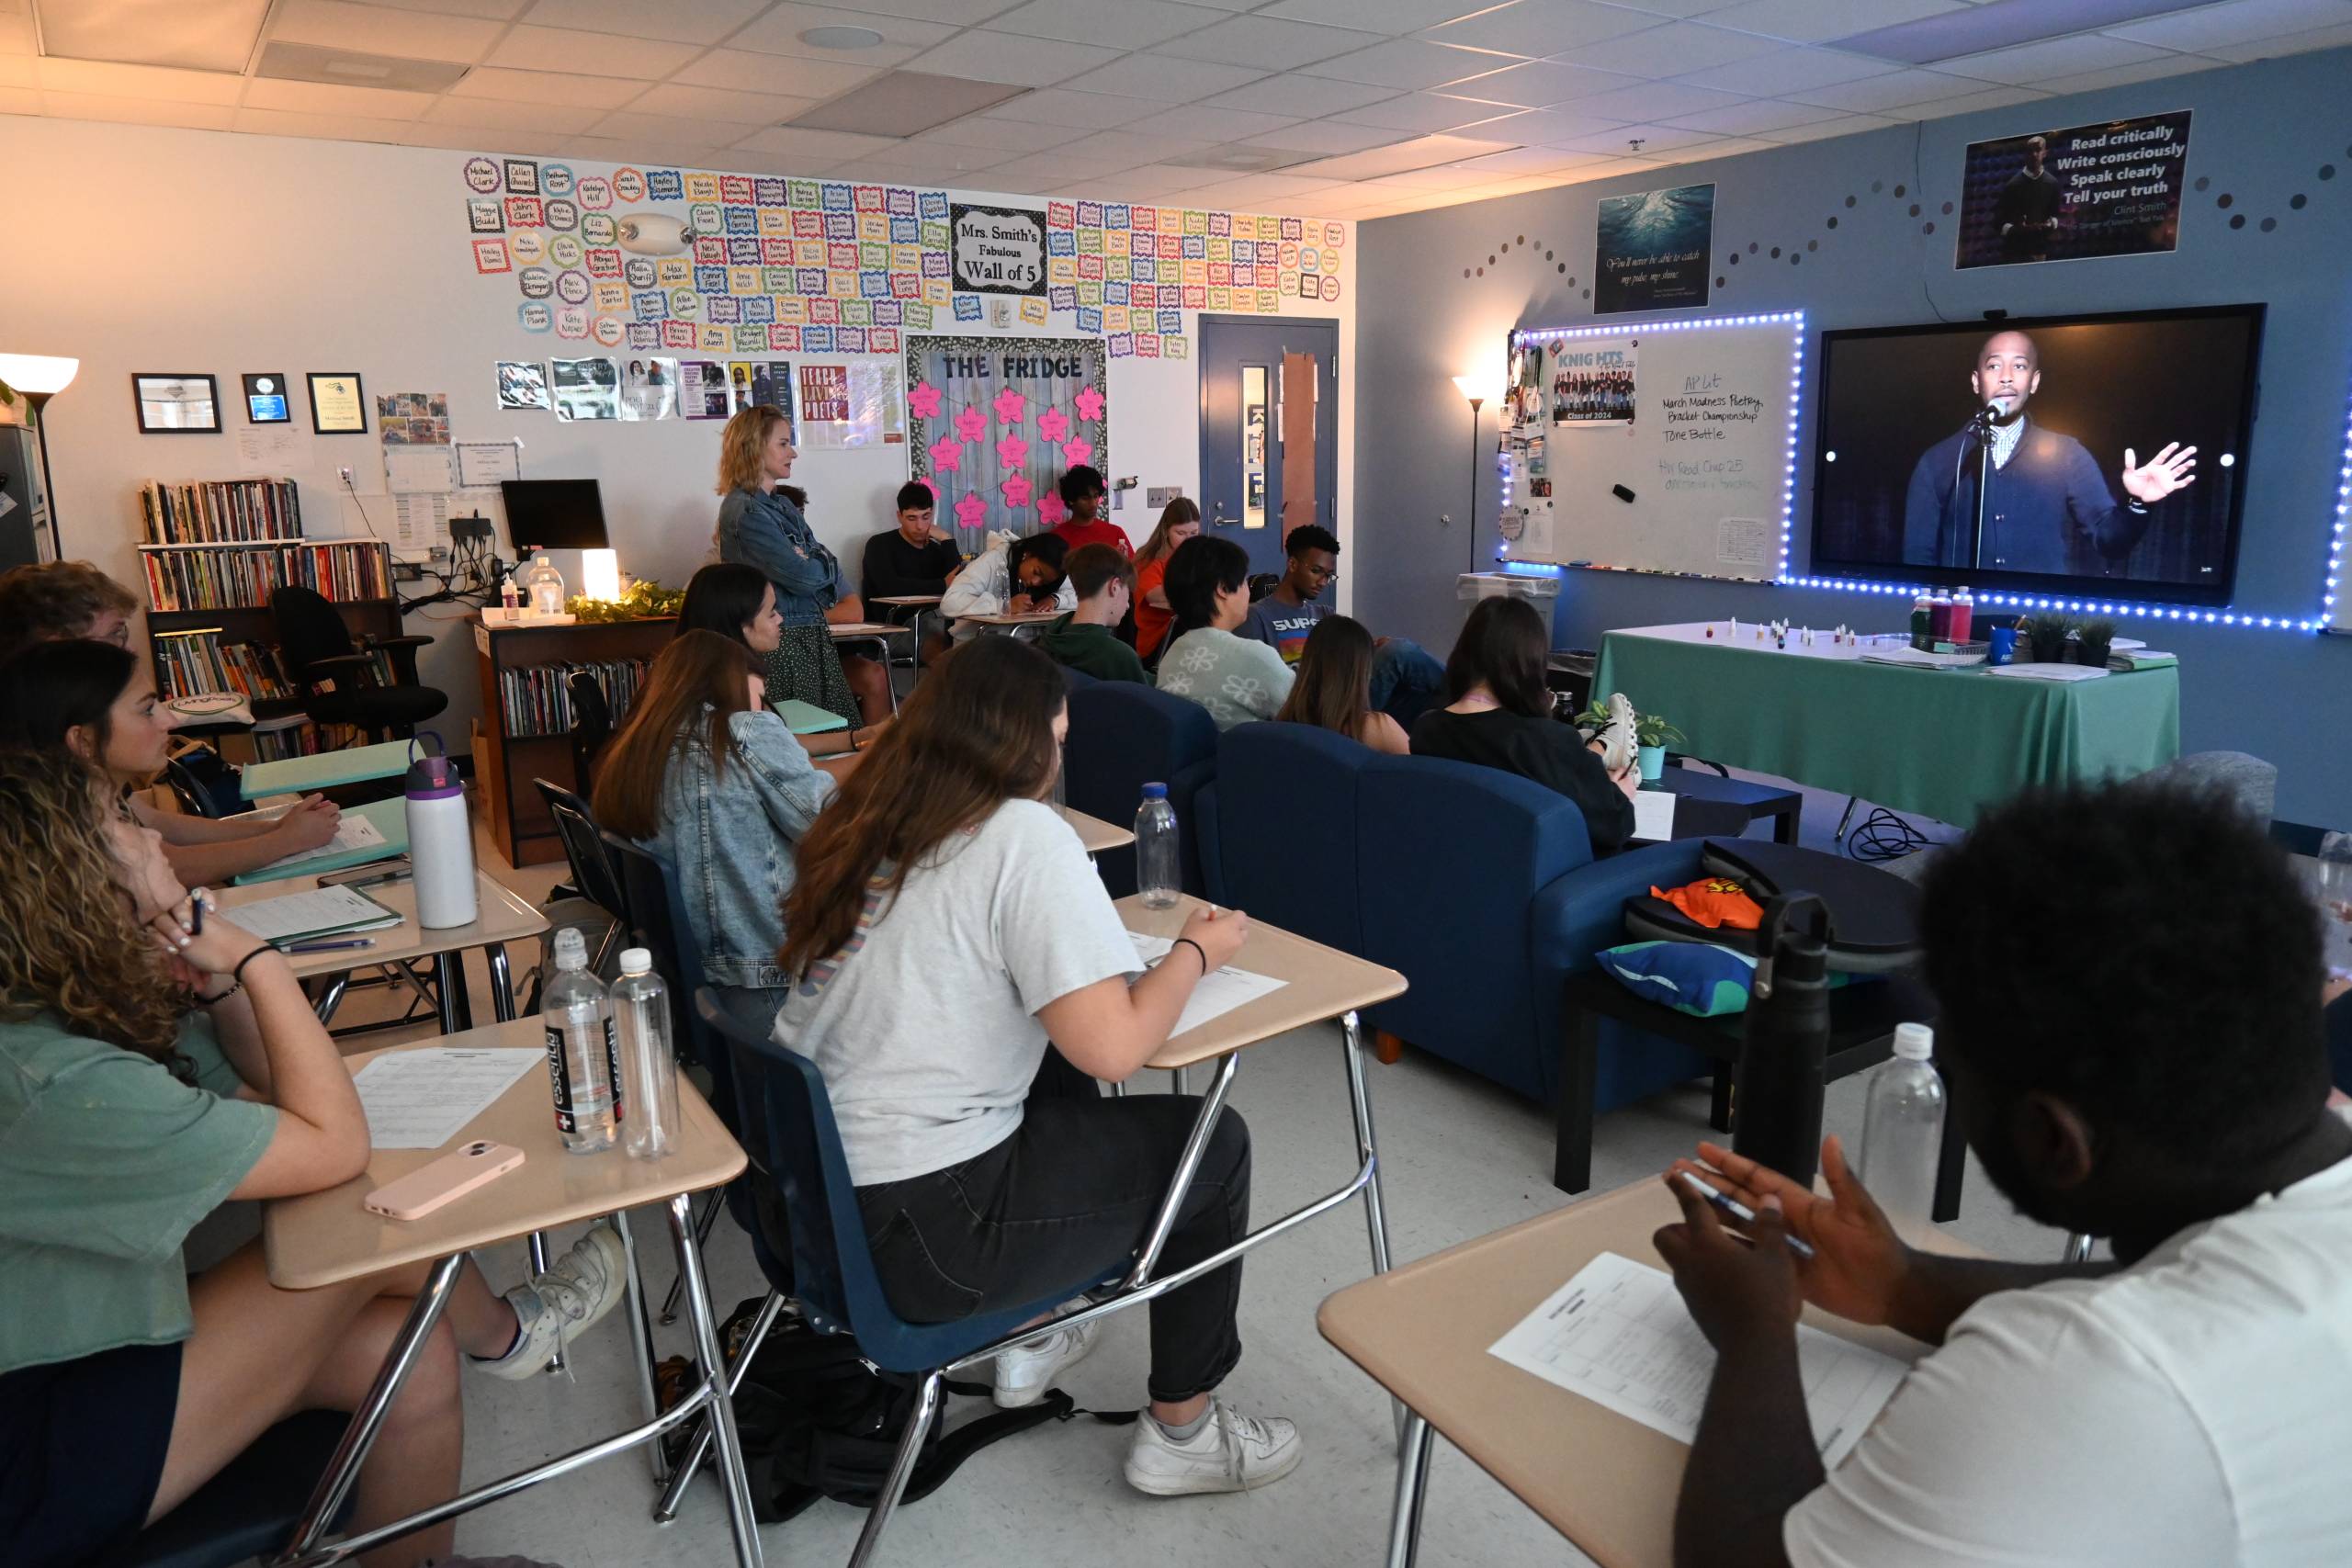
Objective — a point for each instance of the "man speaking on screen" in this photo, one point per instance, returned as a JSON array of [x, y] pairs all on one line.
[[2047, 507]]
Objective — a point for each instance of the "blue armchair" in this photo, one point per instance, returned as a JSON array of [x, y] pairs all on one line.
[[1121, 737]]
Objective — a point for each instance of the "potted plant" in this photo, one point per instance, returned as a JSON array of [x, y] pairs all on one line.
[[1652, 736], [2046, 635], [2092, 643]]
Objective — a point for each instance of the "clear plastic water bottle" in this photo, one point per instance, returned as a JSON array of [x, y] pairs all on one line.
[[1902, 1127], [1155, 874], [581, 1060], [649, 1066]]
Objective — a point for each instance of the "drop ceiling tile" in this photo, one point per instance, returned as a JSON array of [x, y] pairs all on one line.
[[1001, 136], [137, 110], [1393, 16], [1896, 90], [1168, 81], [982, 56], [1296, 93], [1811, 22], [105, 79], [813, 147], [1787, 70], [1130, 24], [17, 72], [1035, 170], [1151, 180], [496, 10], [695, 21], [745, 70], [2051, 57], [370, 29], [916, 157], [1419, 182], [499, 114], [1680, 10], [1082, 111], [629, 125], [1535, 28], [1408, 62], [2124, 75], [1328, 137], [1127, 150], [1421, 153], [1654, 139], [712, 102], [1822, 129], [1268, 44], [1189, 122], [545, 87], [1423, 111], [319, 126], [1551, 128], [589, 55], [470, 139], [1967, 103], [17, 35], [1747, 120], [1655, 101], [318, 97], [1675, 50], [777, 32], [954, 13], [1523, 161], [1539, 83], [2286, 44], [2238, 22]]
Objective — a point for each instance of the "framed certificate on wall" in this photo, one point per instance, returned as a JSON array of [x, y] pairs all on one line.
[[337, 405], [176, 404]]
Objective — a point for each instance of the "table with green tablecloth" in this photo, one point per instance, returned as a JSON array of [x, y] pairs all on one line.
[[1941, 743]]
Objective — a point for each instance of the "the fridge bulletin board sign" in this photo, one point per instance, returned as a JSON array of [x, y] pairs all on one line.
[[994, 422]]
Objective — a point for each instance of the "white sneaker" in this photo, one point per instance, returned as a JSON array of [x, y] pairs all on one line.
[[1024, 1372], [577, 1290], [1231, 1452], [1617, 737]]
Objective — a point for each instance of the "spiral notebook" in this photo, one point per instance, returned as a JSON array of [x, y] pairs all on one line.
[[327, 911]]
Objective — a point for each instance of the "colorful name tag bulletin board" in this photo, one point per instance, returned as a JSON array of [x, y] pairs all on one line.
[[995, 420], [722, 264]]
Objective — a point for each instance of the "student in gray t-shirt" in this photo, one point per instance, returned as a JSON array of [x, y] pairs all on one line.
[[946, 930]]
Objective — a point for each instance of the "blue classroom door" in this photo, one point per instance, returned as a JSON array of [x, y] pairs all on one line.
[[1269, 430]]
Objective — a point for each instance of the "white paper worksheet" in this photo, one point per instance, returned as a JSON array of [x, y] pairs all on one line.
[[353, 832], [1219, 991], [1619, 1335], [330, 909], [422, 1099]]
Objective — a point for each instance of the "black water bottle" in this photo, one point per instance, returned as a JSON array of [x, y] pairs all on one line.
[[1779, 1104]]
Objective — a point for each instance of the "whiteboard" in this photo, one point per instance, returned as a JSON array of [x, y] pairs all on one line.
[[1694, 419]]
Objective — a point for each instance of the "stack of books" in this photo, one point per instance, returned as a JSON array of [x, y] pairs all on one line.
[[215, 511], [235, 577], [194, 664], [538, 697]]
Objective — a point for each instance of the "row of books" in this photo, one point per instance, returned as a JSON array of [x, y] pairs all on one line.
[[211, 510], [538, 697], [274, 743], [241, 579], [193, 663]]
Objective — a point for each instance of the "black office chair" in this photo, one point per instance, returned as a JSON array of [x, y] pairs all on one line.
[[592, 872], [337, 678], [1262, 584], [592, 726]]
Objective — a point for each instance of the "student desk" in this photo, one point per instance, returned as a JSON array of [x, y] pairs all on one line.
[[1011, 626], [325, 770], [875, 635], [1604, 1481], [1094, 835], [389, 817], [324, 1238], [1322, 983], [500, 917]]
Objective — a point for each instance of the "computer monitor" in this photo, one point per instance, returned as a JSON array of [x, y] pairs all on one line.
[[554, 515]]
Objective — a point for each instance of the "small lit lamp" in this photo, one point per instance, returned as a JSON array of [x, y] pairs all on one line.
[[41, 376], [600, 574], [1479, 390]]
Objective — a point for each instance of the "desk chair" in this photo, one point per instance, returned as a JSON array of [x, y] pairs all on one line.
[[592, 726], [248, 1510], [593, 875], [337, 677]]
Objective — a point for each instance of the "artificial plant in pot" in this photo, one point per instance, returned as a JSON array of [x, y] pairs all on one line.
[[2092, 643], [2046, 635], [1652, 736]]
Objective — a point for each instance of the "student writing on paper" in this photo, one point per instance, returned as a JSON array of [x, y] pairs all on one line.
[[2149, 1069], [1332, 689], [62, 599], [99, 702], [723, 792], [1179, 521], [949, 947], [1011, 577], [148, 1073], [1498, 715], [1236, 679]]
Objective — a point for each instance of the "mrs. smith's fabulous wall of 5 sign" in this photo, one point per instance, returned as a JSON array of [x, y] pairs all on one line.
[[700, 260]]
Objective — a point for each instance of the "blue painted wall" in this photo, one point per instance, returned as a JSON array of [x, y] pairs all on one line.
[[2261, 135]]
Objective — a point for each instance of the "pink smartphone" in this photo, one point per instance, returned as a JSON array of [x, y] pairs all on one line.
[[452, 1175]]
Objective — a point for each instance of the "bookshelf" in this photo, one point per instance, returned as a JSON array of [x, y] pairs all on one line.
[[524, 733]]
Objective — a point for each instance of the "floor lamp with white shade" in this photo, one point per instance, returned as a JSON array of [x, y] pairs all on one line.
[[36, 377], [1480, 390]]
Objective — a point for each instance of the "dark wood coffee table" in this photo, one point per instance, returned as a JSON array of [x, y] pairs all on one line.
[[1709, 806]]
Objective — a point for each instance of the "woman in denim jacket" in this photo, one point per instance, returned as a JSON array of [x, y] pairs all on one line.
[[705, 778], [763, 523]]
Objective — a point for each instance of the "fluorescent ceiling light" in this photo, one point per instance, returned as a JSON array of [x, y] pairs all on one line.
[[347, 68], [2004, 24], [193, 35], [904, 102]]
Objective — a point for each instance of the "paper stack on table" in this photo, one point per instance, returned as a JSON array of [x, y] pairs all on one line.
[[296, 917], [1219, 991], [422, 1099], [352, 832], [2049, 672], [1901, 653]]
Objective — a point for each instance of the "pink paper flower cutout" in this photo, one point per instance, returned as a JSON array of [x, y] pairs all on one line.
[[971, 512], [1016, 493], [1077, 452], [1088, 403], [923, 399], [971, 425], [1012, 452], [947, 455], [1011, 407], [1052, 425], [1050, 510]]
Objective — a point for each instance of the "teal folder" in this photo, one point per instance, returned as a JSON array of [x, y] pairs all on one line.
[[328, 770], [807, 718], [390, 819]]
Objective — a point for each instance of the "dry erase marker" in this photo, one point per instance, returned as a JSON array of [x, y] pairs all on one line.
[[329, 946], [1738, 1211]]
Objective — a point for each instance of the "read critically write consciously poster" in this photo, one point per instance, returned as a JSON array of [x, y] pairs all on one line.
[[995, 423], [2089, 190], [1651, 250]]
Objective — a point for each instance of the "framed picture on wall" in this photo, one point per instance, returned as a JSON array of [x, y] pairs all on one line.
[[177, 403], [265, 399], [337, 405]]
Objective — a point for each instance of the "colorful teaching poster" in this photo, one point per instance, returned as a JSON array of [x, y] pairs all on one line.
[[1000, 250], [1592, 381], [703, 390], [586, 389], [995, 423], [1651, 250], [2089, 190]]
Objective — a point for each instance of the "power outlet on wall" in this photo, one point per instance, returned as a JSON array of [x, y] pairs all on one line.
[[1159, 496], [344, 474]]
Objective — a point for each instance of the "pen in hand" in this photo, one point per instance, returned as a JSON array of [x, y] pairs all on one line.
[[1738, 1211]]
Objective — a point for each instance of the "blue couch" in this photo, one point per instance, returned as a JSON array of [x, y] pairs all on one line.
[[1121, 737], [1479, 886]]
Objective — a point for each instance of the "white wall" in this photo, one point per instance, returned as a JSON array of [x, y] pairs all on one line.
[[149, 249]]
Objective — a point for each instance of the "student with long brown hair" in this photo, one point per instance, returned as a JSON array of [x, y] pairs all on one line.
[[1179, 521], [719, 788], [152, 1067], [1333, 689], [763, 522], [944, 932]]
